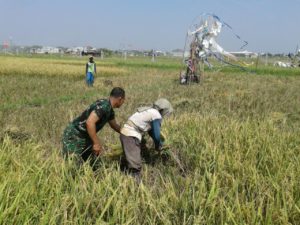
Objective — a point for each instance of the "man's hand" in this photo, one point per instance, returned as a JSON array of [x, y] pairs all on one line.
[[159, 147], [97, 148], [91, 129]]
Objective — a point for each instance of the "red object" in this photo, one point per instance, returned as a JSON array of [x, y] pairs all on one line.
[[5, 44]]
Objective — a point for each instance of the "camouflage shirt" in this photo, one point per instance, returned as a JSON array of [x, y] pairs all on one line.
[[104, 111]]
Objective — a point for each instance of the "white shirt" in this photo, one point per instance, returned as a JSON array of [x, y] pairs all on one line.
[[142, 121]]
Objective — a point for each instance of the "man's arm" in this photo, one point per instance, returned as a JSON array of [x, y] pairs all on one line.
[[91, 129], [95, 69], [113, 124], [86, 68], [155, 133]]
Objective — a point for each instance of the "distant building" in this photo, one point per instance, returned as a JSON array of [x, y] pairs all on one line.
[[91, 51], [46, 50], [179, 53], [84, 51], [75, 50], [160, 53]]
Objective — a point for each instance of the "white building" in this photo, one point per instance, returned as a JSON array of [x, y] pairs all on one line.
[[75, 50], [177, 53], [47, 50]]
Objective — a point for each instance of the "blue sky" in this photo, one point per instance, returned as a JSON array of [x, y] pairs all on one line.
[[268, 25]]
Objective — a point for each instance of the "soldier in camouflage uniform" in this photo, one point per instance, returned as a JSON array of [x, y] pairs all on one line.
[[80, 137]]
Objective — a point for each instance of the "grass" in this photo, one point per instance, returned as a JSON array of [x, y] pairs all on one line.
[[263, 70], [236, 135]]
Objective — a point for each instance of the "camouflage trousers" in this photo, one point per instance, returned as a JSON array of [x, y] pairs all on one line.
[[77, 145]]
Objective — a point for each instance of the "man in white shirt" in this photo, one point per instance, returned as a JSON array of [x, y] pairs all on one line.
[[146, 119]]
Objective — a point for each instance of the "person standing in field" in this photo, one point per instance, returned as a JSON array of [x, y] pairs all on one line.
[[80, 137], [90, 71], [146, 119]]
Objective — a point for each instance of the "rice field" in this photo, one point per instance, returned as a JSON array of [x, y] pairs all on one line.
[[236, 136]]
